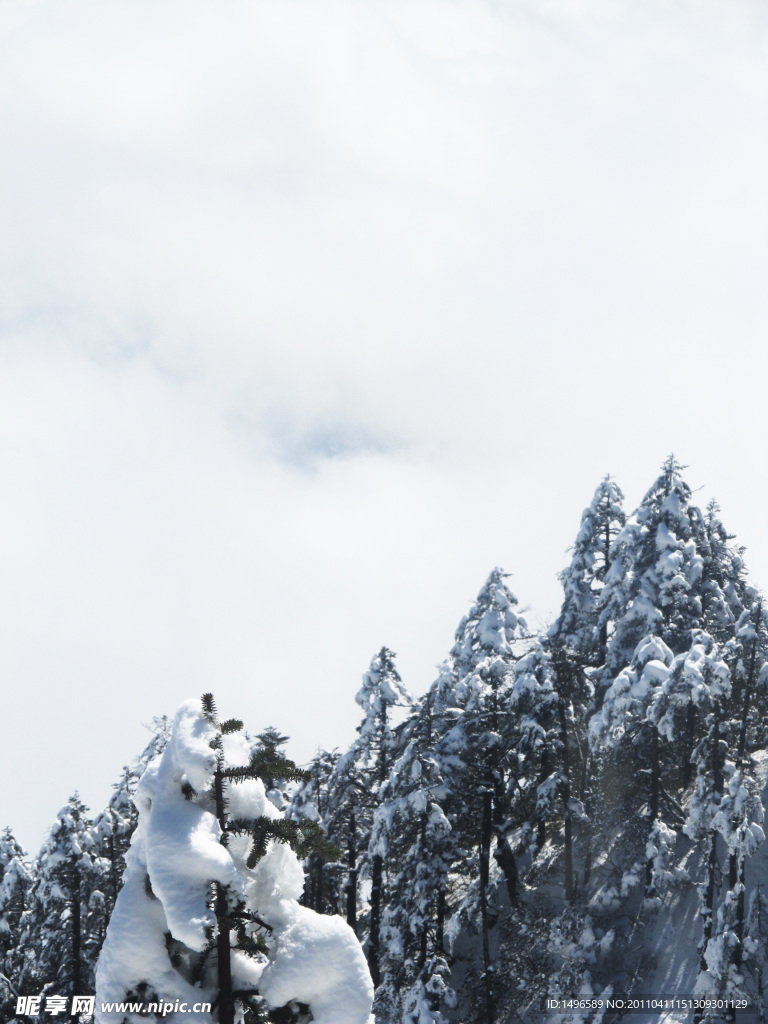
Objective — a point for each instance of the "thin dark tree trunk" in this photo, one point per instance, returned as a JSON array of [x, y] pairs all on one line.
[[440, 926], [113, 879], [502, 853], [377, 867], [567, 819], [541, 827], [653, 804], [738, 953], [709, 899], [709, 904], [373, 945], [486, 829], [319, 887], [76, 933], [718, 782], [226, 1001], [352, 875], [585, 789], [690, 733]]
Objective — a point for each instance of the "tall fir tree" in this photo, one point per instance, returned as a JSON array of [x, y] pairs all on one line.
[[577, 643], [314, 799], [15, 880], [580, 627], [412, 833], [469, 698], [653, 584], [56, 948]]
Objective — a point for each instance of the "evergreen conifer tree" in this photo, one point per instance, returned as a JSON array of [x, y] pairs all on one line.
[[355, 791], [15, 880], [411, 831], [313, 799], [209, 907], [580, 627], [577, 643], [470, 703], [55, 946]]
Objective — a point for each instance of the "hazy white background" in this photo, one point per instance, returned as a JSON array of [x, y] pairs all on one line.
[[313, 312]]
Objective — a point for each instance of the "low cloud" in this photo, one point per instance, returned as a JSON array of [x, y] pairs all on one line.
[[312, 314]]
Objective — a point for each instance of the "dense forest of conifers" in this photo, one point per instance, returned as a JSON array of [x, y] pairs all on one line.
[[513, 833]]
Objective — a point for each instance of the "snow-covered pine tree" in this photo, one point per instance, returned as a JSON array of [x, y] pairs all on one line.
[[55, 940], [623, 725], [664, 573], [547, 705], [209, 909], [699, 679], [15, 880], [577, 642], [739, 820], [725, 592], [354, 793], [411, 832], [652, 587], [750, 676], [756, 946], [312, 799], [742, 811], [580, 626], [469, 700], [376, 748]]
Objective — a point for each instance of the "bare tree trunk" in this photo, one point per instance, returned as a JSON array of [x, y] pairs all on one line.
[[352, 875], [373, 945], [502, 853], [653, 804], [690, 732], [567, 819], [76, 933], [586, 796], [709, 897], [440, 926], [541, 827], [484, 852]]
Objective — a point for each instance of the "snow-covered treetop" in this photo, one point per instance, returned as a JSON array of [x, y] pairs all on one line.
[[382, 686], [14, 870], [652, 584], [70, 836], [490, 627], [724, 587], [364, 767], [577, 625], [9, 849], [468, 695]]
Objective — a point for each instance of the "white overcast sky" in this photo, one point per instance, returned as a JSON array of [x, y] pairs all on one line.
[[311, 313]]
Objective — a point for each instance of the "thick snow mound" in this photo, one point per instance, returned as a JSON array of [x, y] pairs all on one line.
[[183, 849], [319, 961]]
